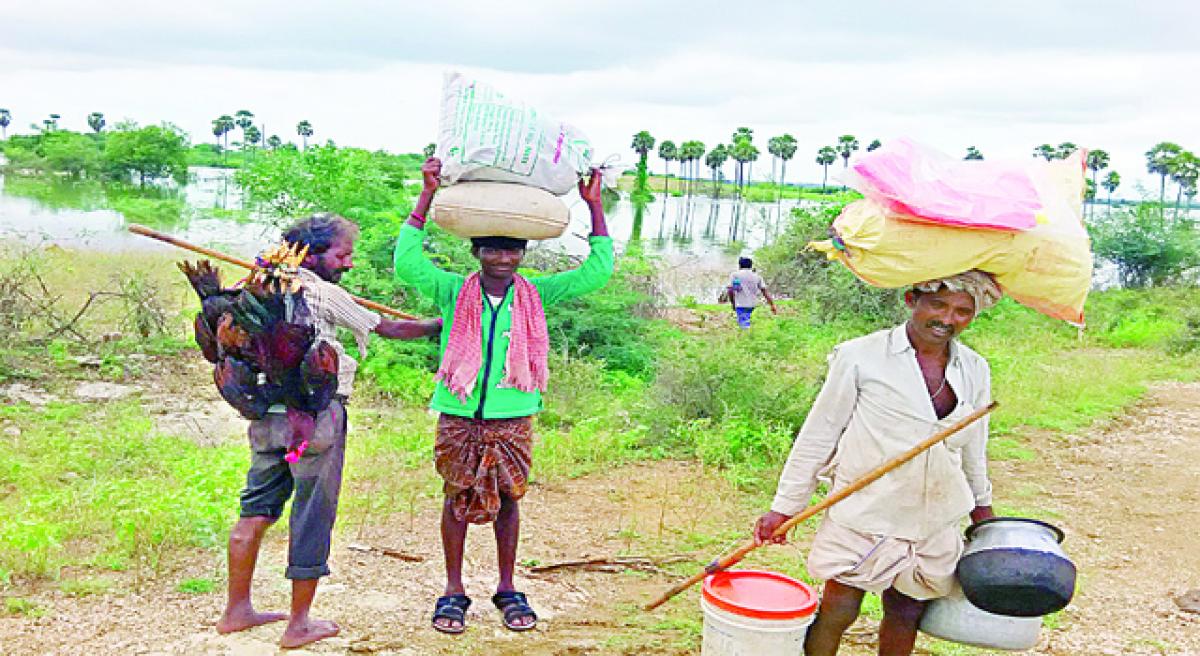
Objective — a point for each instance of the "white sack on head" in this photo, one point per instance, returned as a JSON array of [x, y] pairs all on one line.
[[484, 135]]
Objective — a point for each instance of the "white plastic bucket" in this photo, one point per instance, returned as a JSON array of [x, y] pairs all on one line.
[[752, 613]]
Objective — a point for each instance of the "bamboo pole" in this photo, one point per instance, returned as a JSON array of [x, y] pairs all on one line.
[[217, 255], [870, 477]]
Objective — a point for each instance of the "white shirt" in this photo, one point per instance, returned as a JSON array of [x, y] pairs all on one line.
[[874, 406], [747, 285]]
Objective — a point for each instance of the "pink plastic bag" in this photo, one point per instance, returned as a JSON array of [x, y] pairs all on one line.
[[925, 184]]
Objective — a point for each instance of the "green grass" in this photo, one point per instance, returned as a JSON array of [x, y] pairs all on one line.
[[21, 607], [197, 586], [93, 486], [85, 587]]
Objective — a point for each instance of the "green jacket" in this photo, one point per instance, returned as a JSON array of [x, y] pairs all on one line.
[[487, 400]]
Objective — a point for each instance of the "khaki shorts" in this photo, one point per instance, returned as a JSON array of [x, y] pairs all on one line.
[[918, 569]]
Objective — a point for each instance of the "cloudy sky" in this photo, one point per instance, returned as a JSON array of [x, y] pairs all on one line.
[[1002, 76]]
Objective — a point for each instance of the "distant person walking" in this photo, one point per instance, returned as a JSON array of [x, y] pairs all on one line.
[[745, 286]]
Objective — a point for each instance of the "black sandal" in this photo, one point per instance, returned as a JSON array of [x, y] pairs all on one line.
[[454, 608], [514, 605]]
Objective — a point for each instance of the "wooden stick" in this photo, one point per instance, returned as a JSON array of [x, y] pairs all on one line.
[[217, 255], [872, 476]]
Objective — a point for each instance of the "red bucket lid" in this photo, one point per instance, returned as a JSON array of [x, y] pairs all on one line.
[[763, 595]]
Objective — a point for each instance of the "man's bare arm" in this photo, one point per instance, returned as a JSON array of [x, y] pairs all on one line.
[[408, 329]]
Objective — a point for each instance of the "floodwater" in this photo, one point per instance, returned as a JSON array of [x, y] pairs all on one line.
[[696, 240]]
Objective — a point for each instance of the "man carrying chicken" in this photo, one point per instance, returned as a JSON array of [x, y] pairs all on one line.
[[314, 476]]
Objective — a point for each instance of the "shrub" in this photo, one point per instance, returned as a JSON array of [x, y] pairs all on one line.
[[827, 286], [1148, 248], [150, 152]]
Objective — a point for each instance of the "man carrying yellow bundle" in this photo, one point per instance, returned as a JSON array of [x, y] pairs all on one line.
[[899, 536], [490, 382]]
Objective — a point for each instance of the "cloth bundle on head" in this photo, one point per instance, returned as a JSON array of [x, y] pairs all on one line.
[[980, 285], [526, 368]]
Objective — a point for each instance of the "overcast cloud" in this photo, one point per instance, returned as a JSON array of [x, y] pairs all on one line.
[[1000, 76]]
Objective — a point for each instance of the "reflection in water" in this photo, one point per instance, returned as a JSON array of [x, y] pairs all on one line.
[[94, 215], [698, 237], [639, 216]]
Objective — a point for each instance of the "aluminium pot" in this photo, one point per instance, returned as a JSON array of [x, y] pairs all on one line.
[[956, 619], [1016, 567]]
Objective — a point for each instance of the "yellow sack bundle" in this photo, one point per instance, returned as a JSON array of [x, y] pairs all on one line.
[[1048, 267]]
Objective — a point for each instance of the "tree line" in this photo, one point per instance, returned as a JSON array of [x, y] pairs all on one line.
[[1166, 159], [251, 133], [126, 152]]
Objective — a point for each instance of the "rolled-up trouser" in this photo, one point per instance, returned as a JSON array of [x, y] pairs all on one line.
[[743, 316], [921, 569], [316, 479]]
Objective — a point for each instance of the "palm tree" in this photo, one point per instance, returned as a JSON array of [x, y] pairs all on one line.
[[1046, 151], [668, 152], [690, 153], [847, 144], [783, 147], [274, 142], [744, 152], [642, 144], [1065, 150], [773, 145], [973, 153], [1097, 160], [715, 160], [1184, 170], [429, 150], [244, 119], [222, 126], [873, 145], [95, 120], [305, 130], [5, 120], [825, 156], [1156, 163], [252, 136], [1111, 182]]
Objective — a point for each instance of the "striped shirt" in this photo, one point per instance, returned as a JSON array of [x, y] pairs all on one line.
[[331, 306]]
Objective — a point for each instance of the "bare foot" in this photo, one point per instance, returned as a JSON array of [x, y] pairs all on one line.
[[245, 617], [308, 632]]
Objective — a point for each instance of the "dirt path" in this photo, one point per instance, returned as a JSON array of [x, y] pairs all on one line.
[[1126, 494], [1128, 499]]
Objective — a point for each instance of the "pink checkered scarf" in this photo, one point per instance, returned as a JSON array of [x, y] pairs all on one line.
[[528, 341]]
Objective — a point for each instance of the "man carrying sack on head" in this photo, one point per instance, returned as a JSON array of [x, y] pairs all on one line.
[[899, 536], [491, 378]]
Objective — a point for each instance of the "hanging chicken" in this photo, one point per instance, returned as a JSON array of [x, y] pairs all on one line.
[[260, 337]]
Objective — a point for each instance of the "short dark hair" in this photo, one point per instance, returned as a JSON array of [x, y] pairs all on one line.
[[745, 262], [499, 242], [319, 231]]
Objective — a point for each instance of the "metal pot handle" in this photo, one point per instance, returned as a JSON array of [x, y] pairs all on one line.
[[1058, 533]]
